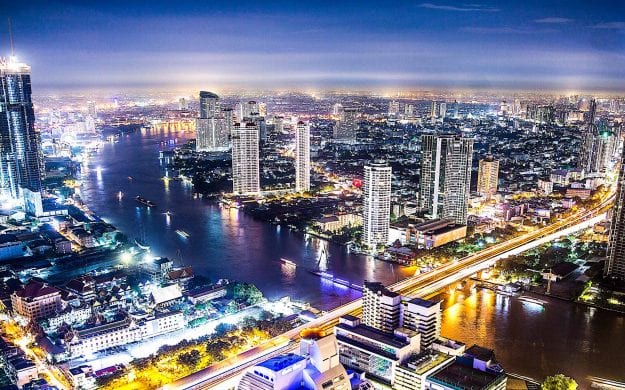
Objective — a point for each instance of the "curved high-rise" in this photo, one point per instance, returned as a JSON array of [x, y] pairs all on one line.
[[20, 152], [376, 203]]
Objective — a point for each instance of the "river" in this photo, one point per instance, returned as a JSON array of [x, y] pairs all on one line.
[[224, 243]]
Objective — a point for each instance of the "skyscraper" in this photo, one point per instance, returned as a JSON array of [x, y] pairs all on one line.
[[487, 177], [393, 107], [409, 110], [302, 157], [245, 165], [595, 146], [247, 110], [446, 176], [615, 263], [376, 203], [213, 127], [20, 152], [346, 127], [438, 111], [209, 105]]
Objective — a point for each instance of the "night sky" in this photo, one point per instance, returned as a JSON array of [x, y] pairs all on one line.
[[525, 44]]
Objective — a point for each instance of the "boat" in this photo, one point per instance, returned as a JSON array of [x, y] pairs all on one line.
[[142, 244], [168, 213], [288, 262], [338, 281], [535, 301], [182, 233], [144, 201], [130, 177]]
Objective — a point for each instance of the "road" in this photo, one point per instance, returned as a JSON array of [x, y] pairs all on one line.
[[226, 373]]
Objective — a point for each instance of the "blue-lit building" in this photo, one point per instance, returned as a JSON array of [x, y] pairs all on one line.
[[20, 156]]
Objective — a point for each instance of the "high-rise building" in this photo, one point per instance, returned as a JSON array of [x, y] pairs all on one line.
[[183, 104], [302, 157], [380, 307], [336, 109], [488, 176], [393, 107], [92, 109], [376, 203], [438, 111], [446, 176], [245, 164], [209, 105], [213, 127], [247, 110], [423, 316], [346, 126], [615, 264], [20, 150], [278, 124], [409, 110]]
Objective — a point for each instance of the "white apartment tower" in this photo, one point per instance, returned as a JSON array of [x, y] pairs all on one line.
[[302, 157], [446, 176], [245, 165], [377, 203], [423, 316], [380, 307]]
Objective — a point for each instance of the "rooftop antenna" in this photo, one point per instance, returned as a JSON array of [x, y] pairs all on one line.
[[11, 38]]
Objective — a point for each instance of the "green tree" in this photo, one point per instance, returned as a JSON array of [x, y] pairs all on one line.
[[559, 382], [190, 359]]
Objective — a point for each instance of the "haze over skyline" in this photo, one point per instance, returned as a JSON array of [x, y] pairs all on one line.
[[560, 46]]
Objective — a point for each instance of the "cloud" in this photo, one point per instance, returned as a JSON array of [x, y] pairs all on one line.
[[465, 8], [610, 26], [498, 30], [554, 20]]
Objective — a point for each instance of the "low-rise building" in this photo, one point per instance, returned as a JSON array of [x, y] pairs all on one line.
[[123, 331], [36, 300], [81, 378], [412, 374], [207, 293], [370, 350], [11, 247], [316, 367], [435, 233]]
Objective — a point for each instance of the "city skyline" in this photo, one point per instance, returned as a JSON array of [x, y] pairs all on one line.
[[569, 46]]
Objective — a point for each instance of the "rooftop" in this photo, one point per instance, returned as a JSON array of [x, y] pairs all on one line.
[[465, 377], [35, 289], [372, 333], [281, 362], [424, 362], [423, 302], [379, 288]]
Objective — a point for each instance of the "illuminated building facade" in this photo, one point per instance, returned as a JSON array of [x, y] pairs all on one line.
[[487, 177], [377, 203], [446, 176], [302, 157], [213, 126], [346, 126], [245, 165], [20, 152], [615, 263]]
